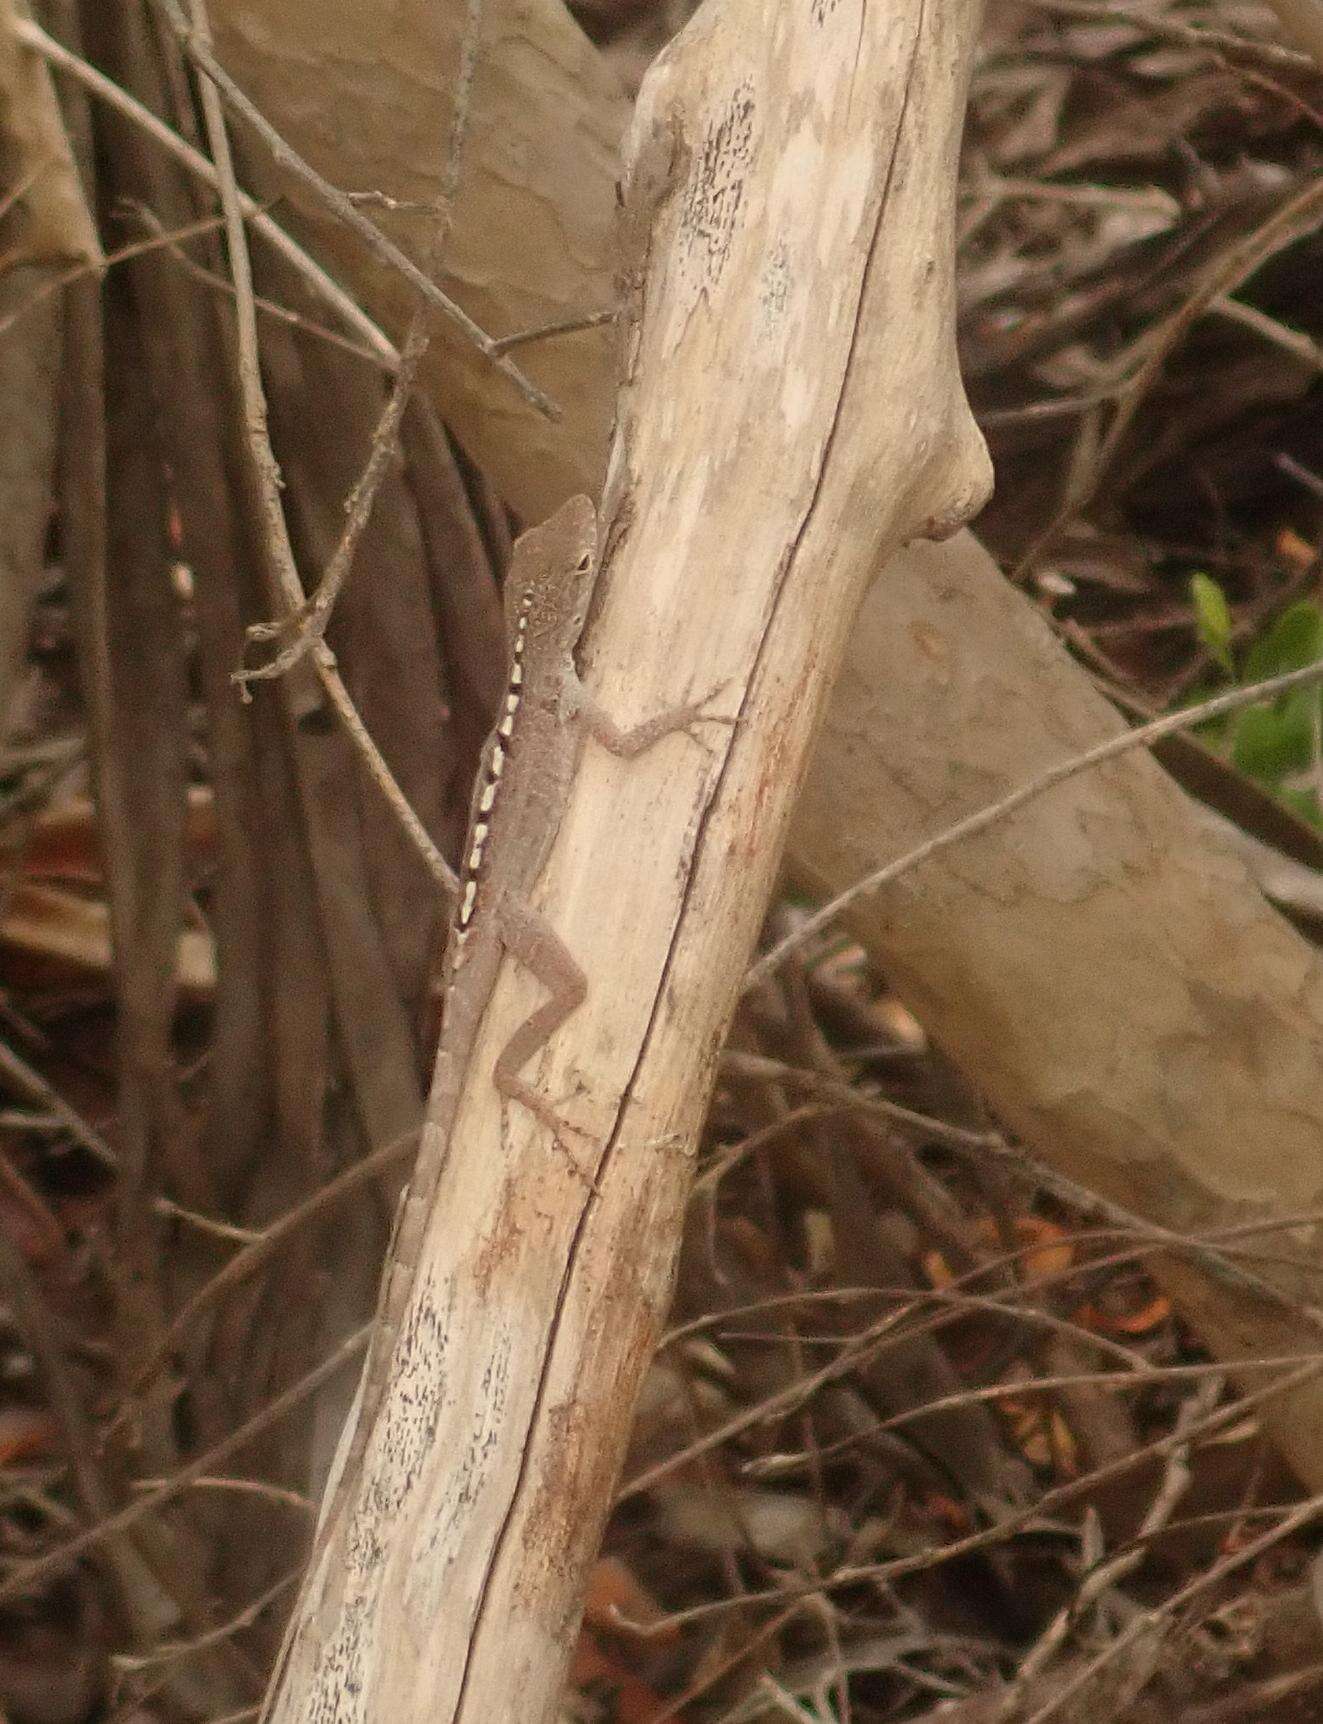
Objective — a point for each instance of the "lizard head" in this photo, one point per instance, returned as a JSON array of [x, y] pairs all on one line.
[[553, 570]]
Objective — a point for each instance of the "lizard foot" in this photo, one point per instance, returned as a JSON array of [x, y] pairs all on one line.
[[687, 719], [638, 739], [550, 1115]]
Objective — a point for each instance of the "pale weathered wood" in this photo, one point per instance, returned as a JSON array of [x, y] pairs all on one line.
[[51, 222], [278, 52], [365, 92], [1129, 1003], [1303, 21], [792, 411]]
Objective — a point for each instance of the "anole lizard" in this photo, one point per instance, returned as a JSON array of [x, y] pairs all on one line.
[[527, 769]]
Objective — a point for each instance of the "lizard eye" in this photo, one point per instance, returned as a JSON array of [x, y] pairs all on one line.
[[585, 562]]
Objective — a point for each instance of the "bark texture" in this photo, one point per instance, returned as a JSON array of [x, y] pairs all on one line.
[[45, 227], [793, 175], [1128, 1002], [365, 94], [29, 392], [1034, 1070]]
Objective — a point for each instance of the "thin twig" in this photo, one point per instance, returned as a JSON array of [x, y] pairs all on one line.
[[171, 1651], [1302, 475], [1293, 341], [258, 1248], [779, 1465], [1149, 1238], [32, 1316], [1165, 27], [105, 89], [740, 1066], [268, 307], [1035, 1513], [1207, 1251], [77, 271], [562, 326], [267, 474], [227, 1231], [949, 1302], [1257, 1699], [22, 186], [268, 1493], [55, 1561], [859, 1348], [1296, 216], [198, 48], [994, 812], [310, 619], [27, 1078], [384, 778], [1175, 1482], [1295, 1521]]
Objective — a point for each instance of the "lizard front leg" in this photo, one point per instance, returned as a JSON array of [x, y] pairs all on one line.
[[628, 742]]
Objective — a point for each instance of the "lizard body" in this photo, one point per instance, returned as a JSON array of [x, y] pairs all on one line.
[[528, 765]]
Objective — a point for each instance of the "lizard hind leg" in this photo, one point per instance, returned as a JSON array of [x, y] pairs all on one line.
[[534, 943]]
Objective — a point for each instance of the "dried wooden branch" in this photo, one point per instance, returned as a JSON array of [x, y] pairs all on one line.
[[892, 769], [44, 223], [278, 548], [1183, 1083], [31, 35], [308, 623], [195, 37], [791, 208], [533, 237]]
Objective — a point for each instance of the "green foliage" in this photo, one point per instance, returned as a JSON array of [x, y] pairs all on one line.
[[1212, 619], [1275, 742]]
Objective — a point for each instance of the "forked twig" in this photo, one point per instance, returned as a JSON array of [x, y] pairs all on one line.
[[32, 36], [197, 45], [22, 1578], [308, 622], [267, 474]]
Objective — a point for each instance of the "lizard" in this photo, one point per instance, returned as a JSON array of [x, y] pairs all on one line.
[[527, 768]]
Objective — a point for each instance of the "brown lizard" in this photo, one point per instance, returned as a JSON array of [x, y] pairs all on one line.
[[527, 769]]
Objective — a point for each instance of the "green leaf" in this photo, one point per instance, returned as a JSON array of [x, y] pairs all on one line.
[[1275, 738], [1212, 619], [1290, 643]]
